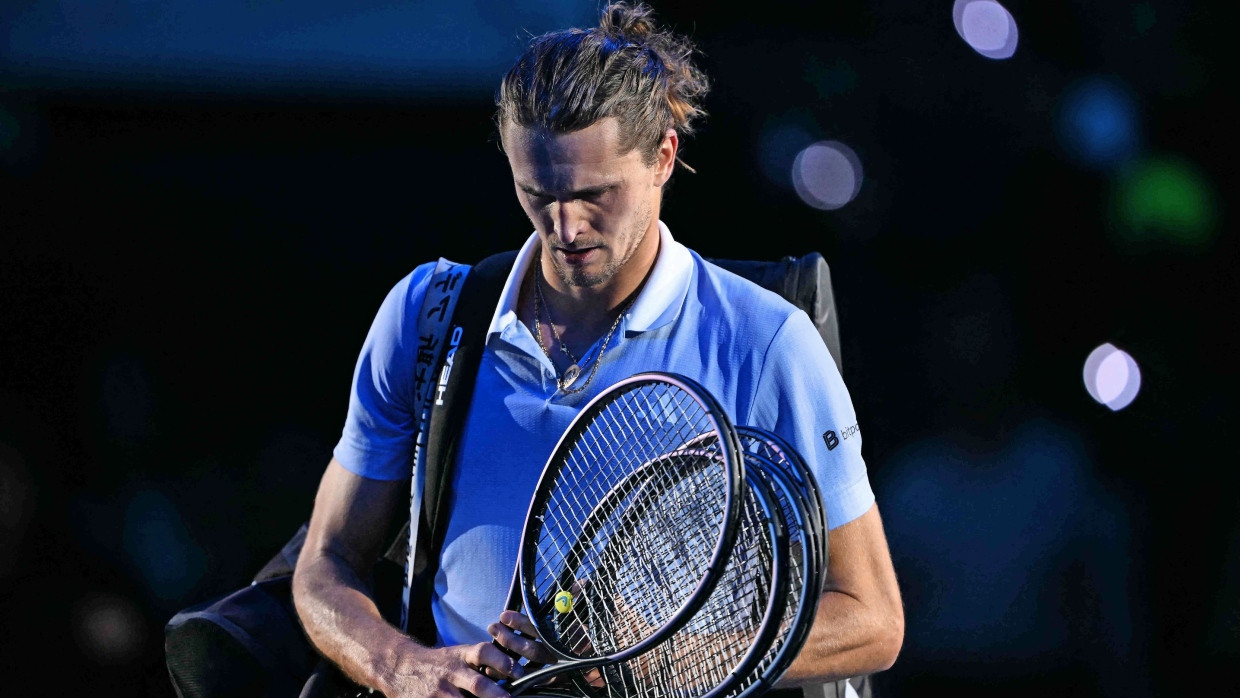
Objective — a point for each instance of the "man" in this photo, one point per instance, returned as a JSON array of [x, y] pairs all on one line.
[[591, 122]]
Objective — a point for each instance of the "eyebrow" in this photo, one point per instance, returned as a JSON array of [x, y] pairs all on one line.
[[576, 194]]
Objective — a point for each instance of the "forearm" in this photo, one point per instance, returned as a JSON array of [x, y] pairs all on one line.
[[344, 624], [848, 639], [859, 624]]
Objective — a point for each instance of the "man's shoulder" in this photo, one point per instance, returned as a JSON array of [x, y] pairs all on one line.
[[417, 279], [731, 283]]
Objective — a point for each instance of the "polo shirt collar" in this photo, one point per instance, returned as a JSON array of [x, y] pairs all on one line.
[[657, 304]]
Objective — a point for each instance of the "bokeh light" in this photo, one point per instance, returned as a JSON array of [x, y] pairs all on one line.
[[1112, 376], [827, 175], [986, 26], [1165, 199], [1097, 123], [109, 629], [984, 537], [159, 545], [783, 136]]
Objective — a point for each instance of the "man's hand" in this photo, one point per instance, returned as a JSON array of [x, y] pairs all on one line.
[[515, 632], [335, 606], [450, 672]]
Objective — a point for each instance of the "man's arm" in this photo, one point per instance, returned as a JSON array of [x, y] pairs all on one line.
[[332, 595], [859, 626]]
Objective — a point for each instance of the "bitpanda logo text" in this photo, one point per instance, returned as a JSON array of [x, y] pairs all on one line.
[[832, 439]]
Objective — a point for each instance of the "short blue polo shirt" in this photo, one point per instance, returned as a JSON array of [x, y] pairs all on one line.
[[760, 356]]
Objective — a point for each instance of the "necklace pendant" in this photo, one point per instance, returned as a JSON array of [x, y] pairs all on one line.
[[571, 374]]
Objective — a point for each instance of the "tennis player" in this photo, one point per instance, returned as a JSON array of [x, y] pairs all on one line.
[[592, 122]]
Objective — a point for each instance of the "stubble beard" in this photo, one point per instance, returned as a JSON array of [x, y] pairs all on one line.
[[574, 276]]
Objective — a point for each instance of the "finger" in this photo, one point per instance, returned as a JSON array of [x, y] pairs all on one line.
[[522, 645], [594, 678], [475, 683], [492, 660], [493, 674], [518, 622]]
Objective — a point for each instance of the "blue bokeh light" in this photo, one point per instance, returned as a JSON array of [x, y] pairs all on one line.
[[158, 544], [994, 548], [782, 137], [1097, 123]]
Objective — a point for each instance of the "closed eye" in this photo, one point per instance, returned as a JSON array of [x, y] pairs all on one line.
[[591, 194]]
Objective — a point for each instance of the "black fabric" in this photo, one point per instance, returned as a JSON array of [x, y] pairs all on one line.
[[246, 643]]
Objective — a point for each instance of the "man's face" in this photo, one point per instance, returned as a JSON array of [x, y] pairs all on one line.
[[595, 209]]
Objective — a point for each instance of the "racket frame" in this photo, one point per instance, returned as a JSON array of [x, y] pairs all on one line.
[[729, 450]]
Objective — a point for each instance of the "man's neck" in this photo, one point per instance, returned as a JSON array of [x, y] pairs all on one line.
[[582, 315]]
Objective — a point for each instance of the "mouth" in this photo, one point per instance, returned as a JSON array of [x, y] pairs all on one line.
[[578, 256]]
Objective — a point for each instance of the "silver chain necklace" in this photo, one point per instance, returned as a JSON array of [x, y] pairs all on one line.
[[573, 372]]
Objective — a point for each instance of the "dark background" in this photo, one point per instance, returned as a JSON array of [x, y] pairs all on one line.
[[199, 216]]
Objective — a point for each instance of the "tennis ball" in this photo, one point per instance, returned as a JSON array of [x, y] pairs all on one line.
[[564, 601]]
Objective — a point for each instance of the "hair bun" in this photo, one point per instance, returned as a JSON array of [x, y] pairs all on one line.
[[632, 22]]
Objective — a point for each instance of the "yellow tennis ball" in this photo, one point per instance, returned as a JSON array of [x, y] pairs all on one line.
[[564, 601]]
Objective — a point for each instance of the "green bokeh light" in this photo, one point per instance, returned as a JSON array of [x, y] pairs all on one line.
[[1165, 200]]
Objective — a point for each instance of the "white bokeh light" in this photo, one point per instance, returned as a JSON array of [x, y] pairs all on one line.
[[986, 26], [1112, 376], [109, 629], [827, 175]]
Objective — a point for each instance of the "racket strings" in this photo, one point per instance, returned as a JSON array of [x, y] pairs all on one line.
[[784, 459], [602, 494], [801, 505], [686, 667], [611, 583], [794, 603], [637, 570], [703, 654]]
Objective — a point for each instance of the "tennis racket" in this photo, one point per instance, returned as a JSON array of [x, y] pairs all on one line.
[[629, 531], [745, 656], [805, 520], [771, 447], [713, 653]]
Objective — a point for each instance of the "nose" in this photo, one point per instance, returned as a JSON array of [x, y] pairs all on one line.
[[568, 221]]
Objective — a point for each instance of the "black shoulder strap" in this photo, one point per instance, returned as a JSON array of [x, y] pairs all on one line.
[[473, 315], [467, 337]]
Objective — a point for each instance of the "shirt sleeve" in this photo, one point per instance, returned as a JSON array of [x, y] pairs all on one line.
[[802, 394], [377, 439]]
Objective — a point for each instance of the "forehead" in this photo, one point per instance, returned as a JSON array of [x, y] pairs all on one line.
[[582, 158]]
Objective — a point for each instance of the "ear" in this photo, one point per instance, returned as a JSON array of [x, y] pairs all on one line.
[[665, 158]]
